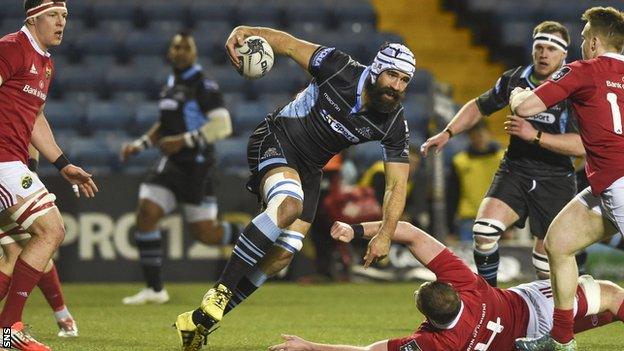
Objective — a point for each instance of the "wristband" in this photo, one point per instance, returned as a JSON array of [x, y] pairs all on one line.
[[61, 162], [142, 143], [537, 138], [33, 165], [358, 231], [450, 133]]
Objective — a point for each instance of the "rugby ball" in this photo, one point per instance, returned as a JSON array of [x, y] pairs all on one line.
[[256, 57]]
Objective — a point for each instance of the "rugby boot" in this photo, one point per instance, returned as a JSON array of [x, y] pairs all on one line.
[[544, 343], [215, 301]]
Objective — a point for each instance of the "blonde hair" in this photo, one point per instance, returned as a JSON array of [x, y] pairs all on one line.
[[607, 23]]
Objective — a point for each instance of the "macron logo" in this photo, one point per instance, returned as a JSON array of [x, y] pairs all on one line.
[[33, 70]]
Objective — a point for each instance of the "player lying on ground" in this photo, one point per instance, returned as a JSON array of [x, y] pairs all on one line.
[[463, 311]]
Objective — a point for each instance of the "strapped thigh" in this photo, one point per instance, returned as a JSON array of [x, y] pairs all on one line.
[[33, 208]]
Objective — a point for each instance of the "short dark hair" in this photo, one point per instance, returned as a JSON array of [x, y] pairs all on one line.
[[438, 301], [552, 27], [29, 4], [608, 24]]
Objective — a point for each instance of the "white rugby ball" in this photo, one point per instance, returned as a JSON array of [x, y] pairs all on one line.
[[256, 57]]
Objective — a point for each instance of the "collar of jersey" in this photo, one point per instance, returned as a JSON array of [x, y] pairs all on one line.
[[33, 42], [360, 88], [190, 72], [613, 55], [453, 323], [526, 75]]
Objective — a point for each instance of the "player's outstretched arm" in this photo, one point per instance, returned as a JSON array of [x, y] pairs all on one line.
[[393, 206], [568, 144], [43, 140], [525, 103], [423, 246], [295, 343], [282, 43], [467, 117]]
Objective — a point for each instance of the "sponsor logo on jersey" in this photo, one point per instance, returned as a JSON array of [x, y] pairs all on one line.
[[320, 56], [210, 84], [618, 85], [410, 346], [331, 102], [33, 69], [543, 117], [33, 91], [560, 73], [168, 104], [26, 181], [339, 127]]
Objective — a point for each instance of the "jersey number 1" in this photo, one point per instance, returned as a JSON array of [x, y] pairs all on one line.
[[615, 112]]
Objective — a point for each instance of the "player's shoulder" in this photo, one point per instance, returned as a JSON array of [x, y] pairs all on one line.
[[11, 41], [516, 72]]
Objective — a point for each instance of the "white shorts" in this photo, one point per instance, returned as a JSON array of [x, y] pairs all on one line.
[[539, 299], [16, 180], [610, 203], [165, 198]]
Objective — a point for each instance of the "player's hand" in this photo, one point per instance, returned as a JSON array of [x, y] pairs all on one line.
[[517, 96], [236, 39], [172, 144], [127, 150], [78, 176], [437, 141], [520, 127], [293, 343], [342, 232], [378, 248]]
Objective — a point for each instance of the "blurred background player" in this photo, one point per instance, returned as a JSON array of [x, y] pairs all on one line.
[[12, 239], [536, 177], [471, 174], [463, 312], [594, 88], [26, 71], [192, 119], [287, 151]]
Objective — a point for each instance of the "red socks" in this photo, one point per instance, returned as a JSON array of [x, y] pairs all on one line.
[[51, 288], [5, 281], [25, 278], [563, 326], [593, 321]]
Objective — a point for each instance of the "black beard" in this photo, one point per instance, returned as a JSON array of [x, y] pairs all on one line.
[[379, 102]]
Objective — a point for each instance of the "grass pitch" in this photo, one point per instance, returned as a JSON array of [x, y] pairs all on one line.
[[339, 313]]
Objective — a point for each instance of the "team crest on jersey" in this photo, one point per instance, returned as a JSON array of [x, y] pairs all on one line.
[[270, 152], [26, 181], [411, 346], [365, 132], [48, 72], [560, 73]]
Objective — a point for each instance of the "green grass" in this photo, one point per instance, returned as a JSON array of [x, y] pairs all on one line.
[[341, 313]]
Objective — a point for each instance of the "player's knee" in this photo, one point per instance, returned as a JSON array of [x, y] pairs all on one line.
[[147, 218], [554, 247], [288, 211], [291, 241], [54, 234], [284, 198], [486, 233]]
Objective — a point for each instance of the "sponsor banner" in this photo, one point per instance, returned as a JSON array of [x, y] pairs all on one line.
[[99, 241]]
